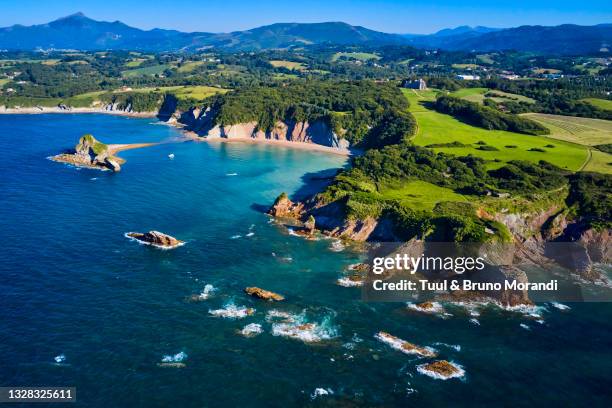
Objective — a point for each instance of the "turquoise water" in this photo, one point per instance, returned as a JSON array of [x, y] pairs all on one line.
[[71, 284]]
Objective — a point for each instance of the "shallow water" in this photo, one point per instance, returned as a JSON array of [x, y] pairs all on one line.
[[71, 284]]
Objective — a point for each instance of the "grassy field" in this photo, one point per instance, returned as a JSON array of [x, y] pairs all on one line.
[[486, 58], [135, 62], [465, 66], [361, 56], [479, 94], [419, 195], [4, 81], [600, 103], [287, 64], [153, 70], [436, 128], [190, 66], [583, 131], [184, 92]]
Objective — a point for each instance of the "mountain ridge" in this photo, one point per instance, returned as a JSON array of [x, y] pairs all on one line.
[[77, 31]]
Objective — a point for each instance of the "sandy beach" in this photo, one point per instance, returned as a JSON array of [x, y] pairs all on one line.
[[273, 142]]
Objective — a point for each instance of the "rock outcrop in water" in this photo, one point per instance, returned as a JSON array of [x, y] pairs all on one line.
[[283, 207], [156, 238], [264, 294], [91, 153]]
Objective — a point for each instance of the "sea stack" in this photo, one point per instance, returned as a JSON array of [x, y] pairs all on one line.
[[91, 153]]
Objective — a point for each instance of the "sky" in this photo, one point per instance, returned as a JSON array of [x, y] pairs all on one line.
[[396, 16]]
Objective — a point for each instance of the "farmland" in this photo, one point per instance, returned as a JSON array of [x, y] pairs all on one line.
[[287, 64], [496, 146], [600, 103]]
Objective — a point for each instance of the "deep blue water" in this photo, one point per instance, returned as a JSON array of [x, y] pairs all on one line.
[[71, 284]]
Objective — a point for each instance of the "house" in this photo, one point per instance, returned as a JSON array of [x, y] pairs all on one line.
[[468, 77], [416, 84]]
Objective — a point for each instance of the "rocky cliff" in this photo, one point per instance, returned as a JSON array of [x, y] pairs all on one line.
[[202, 122]]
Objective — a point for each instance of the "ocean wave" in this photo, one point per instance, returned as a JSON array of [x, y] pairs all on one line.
[[456, 347], [231, 311], [348, 283], [337, 246], [300, 327], [319, 392], [524, 326], [236, 236], [250, 234], [475, 321], [251, 330], [231, 174], [433, 308], [276, 315], [174, 358], [560, 306], [206, 293], [60, 358]]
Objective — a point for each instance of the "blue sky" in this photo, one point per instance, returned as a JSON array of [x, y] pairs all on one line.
[[384, 15]]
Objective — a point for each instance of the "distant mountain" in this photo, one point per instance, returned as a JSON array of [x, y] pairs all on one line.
[[80, 32], [564, 39]]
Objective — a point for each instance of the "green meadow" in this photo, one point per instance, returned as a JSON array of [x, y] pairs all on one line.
[[361, 56], [438, 128], [605, 104], [152, 70], [418, 194]]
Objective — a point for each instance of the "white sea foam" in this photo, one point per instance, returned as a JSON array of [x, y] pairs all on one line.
[[231, 311], [456, 347], [236, 236], [425, 371], [560, 306], [319, 392], [436, 308], [524, 326], [404, 346], [475, 321], [207, 292], [60, 359], [176, 358], [300, 328], [93, 178], [251, 330], [337, 246], [231, 174], [292, 232], [250, 234], [171, 156], [347, 283], [276, 315]]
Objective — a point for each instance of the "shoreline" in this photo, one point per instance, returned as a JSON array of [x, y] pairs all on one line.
[[271, 142], [186, 133], [45, 109]]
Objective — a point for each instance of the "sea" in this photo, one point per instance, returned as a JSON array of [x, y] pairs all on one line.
[[131, 325]]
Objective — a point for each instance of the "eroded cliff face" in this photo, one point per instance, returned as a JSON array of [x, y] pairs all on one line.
[[201, 121]]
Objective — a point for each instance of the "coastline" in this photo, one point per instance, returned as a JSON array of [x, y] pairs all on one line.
[[45, 109], [273, 142], [188, 134]]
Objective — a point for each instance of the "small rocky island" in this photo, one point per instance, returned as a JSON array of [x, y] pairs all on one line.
[[91, 153], [156, 239]]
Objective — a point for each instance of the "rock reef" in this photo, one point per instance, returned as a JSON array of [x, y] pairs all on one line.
[[263, 294], [156, 238]]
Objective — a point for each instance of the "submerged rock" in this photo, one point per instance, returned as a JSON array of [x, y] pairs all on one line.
[[156, 238], [263, 294], [404, 346]]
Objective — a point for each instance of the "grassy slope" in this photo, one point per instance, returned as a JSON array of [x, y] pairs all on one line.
[[600, 103], [478, 95], [419, 195], [287, 64], [155, 69], [582, 131], [362, 56], [190, 66], [434, 127]]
